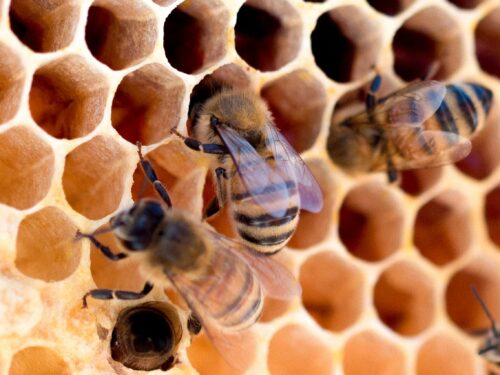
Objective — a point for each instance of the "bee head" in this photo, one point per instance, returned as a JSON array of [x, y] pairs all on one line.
[[136, 226]]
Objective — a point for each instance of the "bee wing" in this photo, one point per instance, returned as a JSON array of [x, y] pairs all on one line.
[[289, 162]]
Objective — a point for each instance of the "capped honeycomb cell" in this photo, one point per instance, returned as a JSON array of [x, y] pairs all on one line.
[[12, 78], [487, 37], [345, 43], [147, 104], [268, 33], [390, 7], [421, 43], [368, 352], [120, 33], [93, 178], [45, 246], [195, 35], [67, 97], [332, 291], [442, 231], [38, 360], [418, 181], [297, 101], [371, 222], [44, 26], [492, 214], [26, 168]]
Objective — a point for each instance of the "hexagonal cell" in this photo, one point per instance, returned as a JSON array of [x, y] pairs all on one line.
[[147, 104], [196, 35], [418, 181], [404, 298], [268, 33], [466, 4], [297, 102], [346, 43], [332, 291], [45, 246], [391, 7], [68, 97], [462, 307], [12, 76], [38, 360], [120, 33], [420, 44], [94, 177], [26, 168], [44, 26], [443, 228], [443, 354], [315, 227], [492, 214], [369, 353], [286, 357], [487, 37], [371, 222]]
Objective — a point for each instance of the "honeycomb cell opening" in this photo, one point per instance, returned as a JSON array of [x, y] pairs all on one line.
[[345, 43], [369, 353], [68, 97], [371, 222], [94, 177], [268, 33], [418, 181], [45, 246], [26, 168], [404, 299], [120, 33], [297, 102], [332, 291], [295, 350], [487, 38], [196, 34], [492, 214], [391, 7], [442, 231], [461, 306], [147, 104], [443, 354], [466, 4], [12, 78], [38, 360], [430, 38], [44, 26]]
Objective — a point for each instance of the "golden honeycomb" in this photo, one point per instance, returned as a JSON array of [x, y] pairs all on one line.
[[385, 269]]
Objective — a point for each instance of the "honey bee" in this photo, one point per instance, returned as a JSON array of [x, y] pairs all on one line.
[[221, 280], [425, 124], [256, 170]]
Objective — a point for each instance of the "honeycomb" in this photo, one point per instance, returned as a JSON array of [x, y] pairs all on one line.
[[385, 269]]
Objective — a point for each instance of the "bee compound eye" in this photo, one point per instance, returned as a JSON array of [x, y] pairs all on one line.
[[214, 121], [145, 337]]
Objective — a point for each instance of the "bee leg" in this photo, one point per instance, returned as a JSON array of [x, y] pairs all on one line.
[[194, 324], [207, 148], [118, 294], [371, 99], [106, 251], [392, 173], [212, 208], [153, 178]]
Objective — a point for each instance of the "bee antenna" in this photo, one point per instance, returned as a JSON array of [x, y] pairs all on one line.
[[486, 310], [486, 349]]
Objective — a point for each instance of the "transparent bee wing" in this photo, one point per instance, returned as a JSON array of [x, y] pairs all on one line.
[[264, 184], [291, 164]]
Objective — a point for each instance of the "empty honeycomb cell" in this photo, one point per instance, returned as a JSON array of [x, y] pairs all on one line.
[[466, 4], [295, 350], [273, 309], [45, 246], [391, 7], [268, 33], [315, 227], [38, 360], [94, 177], [443, 354], [418, 181], [147, 104], [206, 360], [404, 298], [332, 291], [346, 43], [196, 35], [67, 97], [371, 222], [297, 102], [428, 38], [487, 37], [26, 168], [44, 26], [369, 353], [443, 228], [492, 214], [12, 77], [120, 33], [462, 307]]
